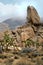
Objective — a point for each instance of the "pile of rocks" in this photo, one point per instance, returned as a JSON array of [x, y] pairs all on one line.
[[32, 29]]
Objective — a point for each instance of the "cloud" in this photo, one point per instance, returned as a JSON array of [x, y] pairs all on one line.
[[17, 9], [12, 10]]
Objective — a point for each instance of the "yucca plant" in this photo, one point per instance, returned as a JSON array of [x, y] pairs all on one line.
[[28, 42]]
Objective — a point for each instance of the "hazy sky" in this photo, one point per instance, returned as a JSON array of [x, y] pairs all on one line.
[[17, 8]]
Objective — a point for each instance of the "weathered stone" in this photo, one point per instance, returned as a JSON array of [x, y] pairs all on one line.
[[34, 28], [27, 50], [40, 29], [24, 36], [27, 33], [40, 40], [32, 15]]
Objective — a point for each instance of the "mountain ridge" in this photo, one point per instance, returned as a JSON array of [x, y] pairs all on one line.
[[13, 23]]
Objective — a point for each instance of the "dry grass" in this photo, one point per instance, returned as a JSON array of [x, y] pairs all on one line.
[[23, 61]]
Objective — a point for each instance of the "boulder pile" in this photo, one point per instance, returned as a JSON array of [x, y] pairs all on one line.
[[32, 29]]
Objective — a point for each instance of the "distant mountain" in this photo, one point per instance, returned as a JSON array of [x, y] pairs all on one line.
[[13, 23], [3, 27]]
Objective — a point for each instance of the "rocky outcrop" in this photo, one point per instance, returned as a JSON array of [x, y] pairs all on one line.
[[32, 30], [27, 33], [33, 20], [32, 15]]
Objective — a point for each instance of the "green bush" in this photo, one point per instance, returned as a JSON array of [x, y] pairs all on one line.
[[8, 41], [29, 42]]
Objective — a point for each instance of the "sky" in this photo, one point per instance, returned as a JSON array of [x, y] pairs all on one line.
[[17, 8]]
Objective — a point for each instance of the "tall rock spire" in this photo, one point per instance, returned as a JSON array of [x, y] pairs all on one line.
[[32, 15]]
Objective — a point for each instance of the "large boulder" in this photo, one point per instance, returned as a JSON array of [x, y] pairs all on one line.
[[32, 15], [27, 33]]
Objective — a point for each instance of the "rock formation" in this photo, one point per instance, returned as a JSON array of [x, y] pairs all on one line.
[[32, 30], [32, 15], [27, 33]]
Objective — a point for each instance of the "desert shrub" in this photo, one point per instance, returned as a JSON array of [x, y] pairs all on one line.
[[8, 41], [29, 42], [23, 61]]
